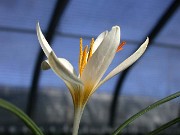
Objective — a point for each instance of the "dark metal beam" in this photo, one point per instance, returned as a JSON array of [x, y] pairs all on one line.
[[152, 35], [76, 36], [53, 24]]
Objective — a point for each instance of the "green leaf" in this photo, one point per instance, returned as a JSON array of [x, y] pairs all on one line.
[[165, 126], [156, 104], [13, 109]]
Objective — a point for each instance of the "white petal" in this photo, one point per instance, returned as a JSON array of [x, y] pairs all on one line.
[[126, 63], [75, 90], [45, 65], [63, 69], [60, 66], [60, 69], [44, 44], [68, 65], [99, 40], [101, 59]]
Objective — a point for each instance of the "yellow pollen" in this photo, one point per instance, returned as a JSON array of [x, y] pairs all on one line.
[[84, 60], [91, 48], [80, 54], [84, 55]]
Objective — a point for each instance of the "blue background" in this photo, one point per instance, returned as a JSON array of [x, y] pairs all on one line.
[[156, 74]]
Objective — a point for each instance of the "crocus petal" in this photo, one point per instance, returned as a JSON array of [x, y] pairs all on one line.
[[68, 65], [60, 69], [126, 63], [76, 93], [45, 65], [101, 59], [99, 40], [44, 44]]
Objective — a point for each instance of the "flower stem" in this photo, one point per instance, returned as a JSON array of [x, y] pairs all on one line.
[[165, 126], [152, 106], [77, 118]]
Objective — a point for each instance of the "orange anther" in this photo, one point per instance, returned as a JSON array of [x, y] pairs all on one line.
[[120, 47], [84, 60], [91, 47], [80, 53]]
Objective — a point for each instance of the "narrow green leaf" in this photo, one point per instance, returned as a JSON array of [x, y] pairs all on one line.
[[154, 105], [165, 126], [13, 109]]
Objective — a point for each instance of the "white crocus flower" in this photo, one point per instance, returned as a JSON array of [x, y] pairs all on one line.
[[93, 63]]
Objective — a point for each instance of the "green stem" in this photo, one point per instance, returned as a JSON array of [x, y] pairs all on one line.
[[165, 126], [156, 104], [13, 109], [77, 118]]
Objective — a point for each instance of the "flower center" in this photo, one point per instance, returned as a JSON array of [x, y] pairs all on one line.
[[84, 55]]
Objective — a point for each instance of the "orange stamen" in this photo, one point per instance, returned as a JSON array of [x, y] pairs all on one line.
[[120, 47], [90, 50], [84, 60], [80, 53]]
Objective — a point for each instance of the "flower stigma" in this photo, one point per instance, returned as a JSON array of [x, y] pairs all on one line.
[[120, 47]]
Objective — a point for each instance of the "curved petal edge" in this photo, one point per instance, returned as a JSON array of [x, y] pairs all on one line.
[[43, 42], [61, 70], [102, 57], [126, 63]]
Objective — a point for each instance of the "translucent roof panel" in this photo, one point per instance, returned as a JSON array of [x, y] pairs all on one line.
[[136, 18], [25, 14], [170, 35], [19, 45], [18, 55], [157, 72]]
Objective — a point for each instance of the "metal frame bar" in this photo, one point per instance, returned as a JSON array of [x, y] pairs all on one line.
[[75, 36], [53, 24], [152, 35]]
